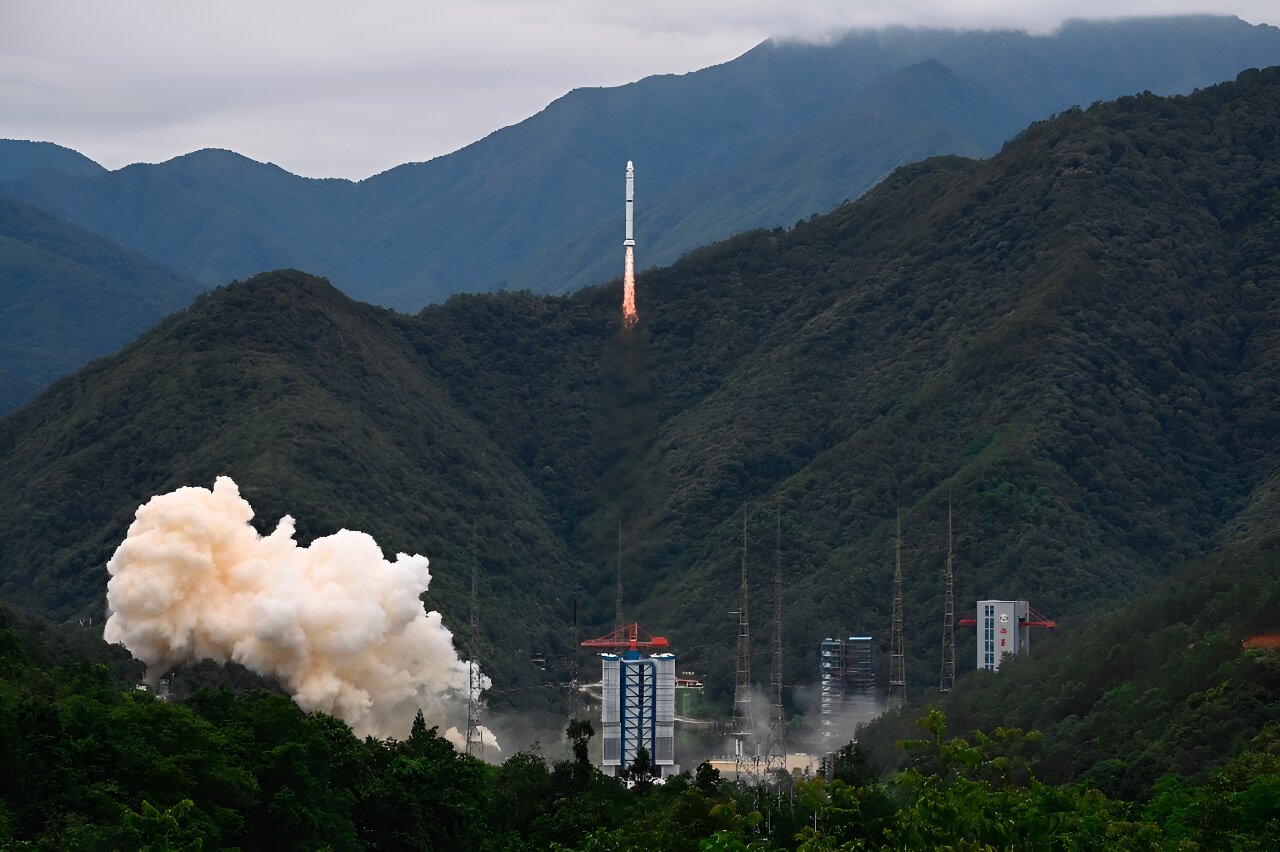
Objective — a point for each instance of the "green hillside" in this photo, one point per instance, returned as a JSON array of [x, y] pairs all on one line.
[[316, 405], [68, 296], [782, 132], [1161, 687], [1078, 337]]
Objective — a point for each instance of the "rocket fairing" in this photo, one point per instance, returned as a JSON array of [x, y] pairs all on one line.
[[630, 239]]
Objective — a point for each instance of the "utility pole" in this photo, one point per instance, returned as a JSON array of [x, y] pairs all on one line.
[[948, 678], [777, 724], [743, 727], [897, 643]]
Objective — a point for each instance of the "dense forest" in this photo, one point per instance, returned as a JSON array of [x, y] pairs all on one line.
[[91, 763], [68, 296], [1171, 686]]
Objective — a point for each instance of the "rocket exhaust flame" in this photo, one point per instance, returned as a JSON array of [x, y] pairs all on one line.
[[629, 315], [336, 624]]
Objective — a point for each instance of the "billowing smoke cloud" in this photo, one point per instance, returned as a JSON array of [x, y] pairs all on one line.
[[336, 624]]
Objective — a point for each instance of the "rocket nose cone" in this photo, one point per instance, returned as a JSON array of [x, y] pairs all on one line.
[[630, 167]]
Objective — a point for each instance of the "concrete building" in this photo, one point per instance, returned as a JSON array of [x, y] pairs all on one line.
[[1003, 630]]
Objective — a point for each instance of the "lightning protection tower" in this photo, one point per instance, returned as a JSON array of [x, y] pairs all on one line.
[[475, 744], [743, 726], [948, 678], [573, 665], [777, 724], [897, 643]]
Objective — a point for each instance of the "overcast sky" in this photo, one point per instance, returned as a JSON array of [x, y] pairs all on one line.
[[349, 89]]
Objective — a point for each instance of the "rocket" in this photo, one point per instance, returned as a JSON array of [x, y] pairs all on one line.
[[629, 315], [631, 203], [630, 239]]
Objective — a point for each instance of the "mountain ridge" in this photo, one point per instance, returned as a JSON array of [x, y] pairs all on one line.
[[404, 237]]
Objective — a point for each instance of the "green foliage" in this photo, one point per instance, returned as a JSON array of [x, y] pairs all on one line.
[[962, 795], [641, 772], [580, 732], [93, 764], [154, 831], [1160, 687]]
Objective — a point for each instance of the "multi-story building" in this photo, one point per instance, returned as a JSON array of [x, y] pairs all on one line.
[[1003, 630]]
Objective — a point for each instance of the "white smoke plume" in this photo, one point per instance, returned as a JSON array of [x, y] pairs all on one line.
[[336, 624]]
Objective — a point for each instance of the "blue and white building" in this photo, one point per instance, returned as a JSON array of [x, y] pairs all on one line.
[[639, 711]]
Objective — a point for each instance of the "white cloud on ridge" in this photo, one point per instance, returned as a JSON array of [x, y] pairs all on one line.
[[328, 88]]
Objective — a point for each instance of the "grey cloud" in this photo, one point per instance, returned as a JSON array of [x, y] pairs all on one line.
[[343, 89]]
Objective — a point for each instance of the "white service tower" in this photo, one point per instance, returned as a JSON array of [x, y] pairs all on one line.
[[1002, 631]]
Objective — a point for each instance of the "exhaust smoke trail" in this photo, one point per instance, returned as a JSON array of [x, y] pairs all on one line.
[[336, 624]]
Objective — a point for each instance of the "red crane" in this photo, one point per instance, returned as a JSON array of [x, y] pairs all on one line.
[[1033, 619], [627, 638]]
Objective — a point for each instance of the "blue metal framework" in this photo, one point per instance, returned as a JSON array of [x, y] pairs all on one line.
[[638, 693], [989, 637]]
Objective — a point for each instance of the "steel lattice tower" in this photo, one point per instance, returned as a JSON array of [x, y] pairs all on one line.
[[897, 643], [948, 678], [777, 723], [475, 744], [743, 727], [573, 665]]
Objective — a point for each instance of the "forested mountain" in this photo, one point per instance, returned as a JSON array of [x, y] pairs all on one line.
[[20, 159], [1077, 337], [782, 132], [68, 296], [1162, 686]]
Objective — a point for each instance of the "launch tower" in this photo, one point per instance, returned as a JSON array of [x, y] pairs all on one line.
[[847, 676], [897, 640], [639, 694]]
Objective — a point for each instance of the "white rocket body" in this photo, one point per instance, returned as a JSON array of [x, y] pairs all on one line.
[[631, 203]]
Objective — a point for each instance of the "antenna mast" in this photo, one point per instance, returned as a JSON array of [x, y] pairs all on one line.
[[777, 724], [743, 727], [475, 745], [948, 679], [573, 665], [897, 643]]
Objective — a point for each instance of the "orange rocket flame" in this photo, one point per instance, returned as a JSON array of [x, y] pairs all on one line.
[[629, 315]]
